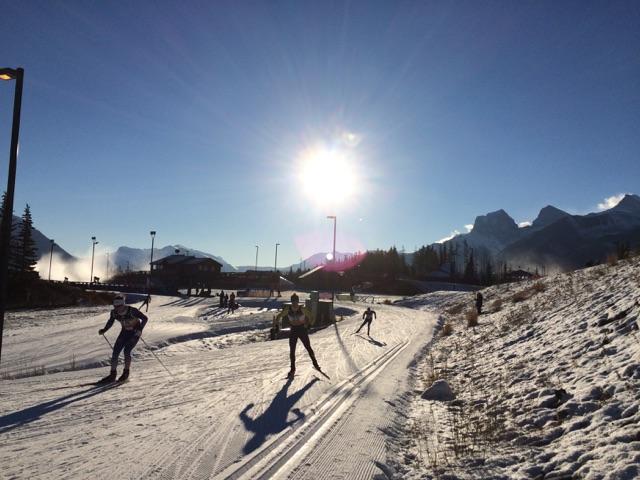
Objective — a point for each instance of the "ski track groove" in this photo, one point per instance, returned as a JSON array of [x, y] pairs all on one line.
[[332, 402]]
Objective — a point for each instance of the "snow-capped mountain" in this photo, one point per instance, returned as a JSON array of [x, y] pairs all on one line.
[[555, 238], [127, 258], [43, 243]]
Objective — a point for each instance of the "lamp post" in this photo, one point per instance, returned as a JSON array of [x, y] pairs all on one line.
[[93, 240], [275, 264], [51, 258], [153, 237], [107, 274], [257, 258], [333, 259], [7, 216]]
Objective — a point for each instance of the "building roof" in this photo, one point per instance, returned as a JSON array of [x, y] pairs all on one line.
[[185, 259]]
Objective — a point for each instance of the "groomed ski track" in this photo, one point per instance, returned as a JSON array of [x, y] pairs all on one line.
[[226, 413]]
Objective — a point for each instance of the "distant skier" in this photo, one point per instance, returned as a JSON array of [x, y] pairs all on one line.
[[221, 298], [133, 322], [479, 303], [226, 300], [298, 317], [368, 316]]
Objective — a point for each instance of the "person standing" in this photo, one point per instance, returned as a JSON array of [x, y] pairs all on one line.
[[298, 317], [232, 303], [221, 298], [479, 303], [133, 322], [368, 316]]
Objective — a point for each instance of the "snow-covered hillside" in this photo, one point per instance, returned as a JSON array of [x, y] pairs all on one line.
[[547, 385]]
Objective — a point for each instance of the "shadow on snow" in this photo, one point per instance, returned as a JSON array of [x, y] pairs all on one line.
[[275, 418]]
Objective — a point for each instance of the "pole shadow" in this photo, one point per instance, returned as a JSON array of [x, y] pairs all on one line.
[[274, 419], [342, 346], [31, 414]]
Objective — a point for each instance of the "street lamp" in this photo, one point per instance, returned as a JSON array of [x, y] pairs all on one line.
[[107, 274], [257, 258], [153, 237], [7, 216], [93, 239], [275, 264], [333, 259], [51, 257]]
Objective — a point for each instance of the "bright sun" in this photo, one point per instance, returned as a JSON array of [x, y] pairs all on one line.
[[328, 176]]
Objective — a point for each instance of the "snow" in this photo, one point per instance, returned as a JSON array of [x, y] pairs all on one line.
[[226, 409], [547, 385]]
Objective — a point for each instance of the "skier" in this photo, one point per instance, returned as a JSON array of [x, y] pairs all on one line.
[[298, 317], [479, 303], [368, 316], [133, 321], [221, 298]]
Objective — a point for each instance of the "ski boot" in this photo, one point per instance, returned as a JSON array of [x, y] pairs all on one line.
[[124, 376], [108, 379]]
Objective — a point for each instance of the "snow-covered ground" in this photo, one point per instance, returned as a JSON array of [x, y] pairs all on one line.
[[225, 411], [547, 386]]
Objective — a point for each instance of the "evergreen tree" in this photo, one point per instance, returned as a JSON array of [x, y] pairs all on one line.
[[12, 240], [27, 256]]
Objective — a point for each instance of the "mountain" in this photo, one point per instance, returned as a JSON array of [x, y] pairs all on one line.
[[127, 258], [555, 238], [43, 243]]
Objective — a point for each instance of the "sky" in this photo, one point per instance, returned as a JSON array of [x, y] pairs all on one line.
[[226, 125]]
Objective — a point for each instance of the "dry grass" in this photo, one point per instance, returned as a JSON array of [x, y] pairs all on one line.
[[447, 329], [496, 305], [456, 309], [538, 287], [471, 316], [521, 296]]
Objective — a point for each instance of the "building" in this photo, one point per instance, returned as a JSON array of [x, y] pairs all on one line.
[[185, 272]]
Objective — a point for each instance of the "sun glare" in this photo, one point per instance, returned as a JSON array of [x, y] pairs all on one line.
[[328, 176]]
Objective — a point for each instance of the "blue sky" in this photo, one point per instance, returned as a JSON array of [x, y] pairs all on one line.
[[193, 118]]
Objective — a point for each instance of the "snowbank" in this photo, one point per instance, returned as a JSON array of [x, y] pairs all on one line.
[[547, 386]]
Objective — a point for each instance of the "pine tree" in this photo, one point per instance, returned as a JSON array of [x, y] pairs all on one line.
[[27, 257], [12, 240]]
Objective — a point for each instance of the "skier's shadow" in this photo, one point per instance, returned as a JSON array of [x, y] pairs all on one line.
[[275, 418], [372, 340], [22, 417]]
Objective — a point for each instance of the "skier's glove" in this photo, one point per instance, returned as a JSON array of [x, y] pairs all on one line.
[[101, 331]]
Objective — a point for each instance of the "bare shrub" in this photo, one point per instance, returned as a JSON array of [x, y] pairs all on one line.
[[456, 309], [496, 305], [387, 302], [612, 260], [521, 296], [472, 317], [447, 329], [538, 287]]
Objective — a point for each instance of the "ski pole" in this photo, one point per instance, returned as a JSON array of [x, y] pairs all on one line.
[[107, 340], [153, 353]]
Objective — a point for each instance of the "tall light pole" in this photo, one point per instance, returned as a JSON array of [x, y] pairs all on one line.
[[107, 274], [153, 237], [275, 264], [51, 257], [7, 216], [333, 259], [257, 258], [334, 236], [93, 240]]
